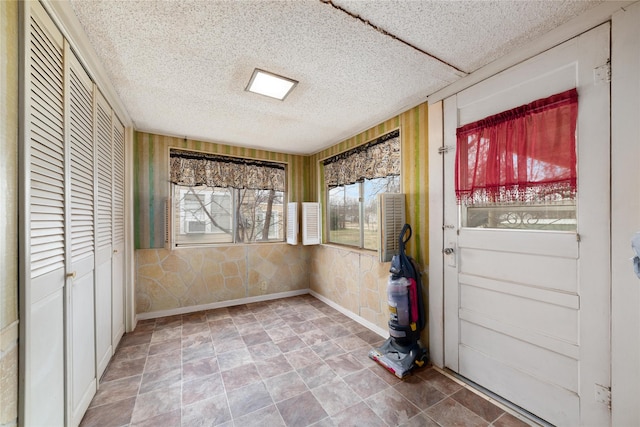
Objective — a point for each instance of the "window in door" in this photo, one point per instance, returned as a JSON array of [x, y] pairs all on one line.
[[517, 169]]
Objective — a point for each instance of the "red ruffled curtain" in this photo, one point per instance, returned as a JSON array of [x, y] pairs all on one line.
[[526, 154]]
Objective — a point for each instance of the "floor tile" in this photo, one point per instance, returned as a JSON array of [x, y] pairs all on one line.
[[264, 351], [344, 364], [356, 416], [209, 412], [280, 333], [195, 328], [335, 396], [450, 412], [288, 362], [131, 352], [113, 414], [218, 313], [248, 399], [302, 410], [118, 369], [240, 376], [155, 380], [439, 381], [313, 337], [199, 368], [166, 334], [165, 346], [155, 403], [256, 338], [317, 374], [421, 420], [169, 419], [303, 357], [265, 417], [392, 407], [365, 383], [201, 389], [327, 349], [233, 359], [166, 361], [419, 392], [291, 344], [351, 342], [285, 386], [273, 366], [113, 391], [508, 420], [487, 410], [135, 339]]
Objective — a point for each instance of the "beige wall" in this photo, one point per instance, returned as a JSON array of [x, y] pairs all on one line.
[[8, 212], [188, 277], [353, 279]]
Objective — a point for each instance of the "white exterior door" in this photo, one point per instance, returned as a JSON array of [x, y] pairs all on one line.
[[527, 311]]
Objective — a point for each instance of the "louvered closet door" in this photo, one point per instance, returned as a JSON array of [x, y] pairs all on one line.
[[42, 346], [81, 367], [104, 232], [117, 293]]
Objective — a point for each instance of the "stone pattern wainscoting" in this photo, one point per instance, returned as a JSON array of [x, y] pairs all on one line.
[[353, 279], [189, 277], [9, 375]]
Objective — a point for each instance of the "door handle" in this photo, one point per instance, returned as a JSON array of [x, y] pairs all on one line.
[[448, 251], [71, 275]]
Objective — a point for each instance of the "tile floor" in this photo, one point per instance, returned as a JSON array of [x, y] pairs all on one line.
[[288, 362]]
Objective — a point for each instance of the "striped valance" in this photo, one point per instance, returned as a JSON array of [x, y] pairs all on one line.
[[192, 168], [376, 159]]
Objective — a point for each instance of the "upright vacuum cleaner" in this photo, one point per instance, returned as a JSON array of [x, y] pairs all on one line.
[[402, 351]]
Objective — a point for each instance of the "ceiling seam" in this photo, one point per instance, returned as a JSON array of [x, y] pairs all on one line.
[[393, 36]]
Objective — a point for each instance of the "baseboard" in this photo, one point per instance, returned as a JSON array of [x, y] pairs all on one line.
[[221, 304], [384, 333]]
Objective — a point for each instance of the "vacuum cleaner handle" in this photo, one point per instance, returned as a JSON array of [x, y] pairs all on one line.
[[401, 240]]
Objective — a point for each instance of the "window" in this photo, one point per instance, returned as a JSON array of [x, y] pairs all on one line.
[[229, 212], [353, 211], [353, 180], [517, 169]]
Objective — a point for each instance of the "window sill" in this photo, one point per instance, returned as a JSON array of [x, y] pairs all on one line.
[[368, 252], [225, 245]]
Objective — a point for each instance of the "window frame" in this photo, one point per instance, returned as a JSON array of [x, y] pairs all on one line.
[[174, 218], [362, 202], [362, 208]]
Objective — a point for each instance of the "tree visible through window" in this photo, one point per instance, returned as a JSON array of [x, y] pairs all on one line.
[[353, 211], [219, 199], [354, 179], [204, 215]]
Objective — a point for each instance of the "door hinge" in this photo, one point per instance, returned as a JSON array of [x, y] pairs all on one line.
[[603, 395], [445, 149], [602, 74]]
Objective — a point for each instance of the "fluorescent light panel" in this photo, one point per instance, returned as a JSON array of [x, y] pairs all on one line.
[[270, 84]]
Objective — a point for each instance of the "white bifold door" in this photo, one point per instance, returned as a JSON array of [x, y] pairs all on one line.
[[72, 222], [527, 309]]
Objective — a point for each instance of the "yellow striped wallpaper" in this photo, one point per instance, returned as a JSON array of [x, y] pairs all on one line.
[[151, 179], [413, 127], [304, 175]]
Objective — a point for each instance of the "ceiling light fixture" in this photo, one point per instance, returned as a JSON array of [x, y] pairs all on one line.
[[270, 84]]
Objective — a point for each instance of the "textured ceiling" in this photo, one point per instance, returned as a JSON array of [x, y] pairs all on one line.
[[181, 67]]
